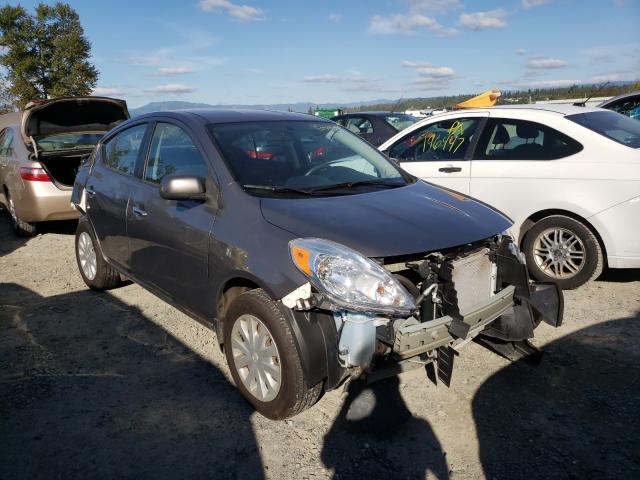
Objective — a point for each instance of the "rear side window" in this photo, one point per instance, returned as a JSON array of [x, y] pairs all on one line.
[[438, 141], [359, 125], [522, 140], [6, 143], [612, 125], [173, 152], [121, 152]]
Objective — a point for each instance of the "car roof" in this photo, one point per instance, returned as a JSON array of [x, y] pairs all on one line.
[[372, 113], [236, 116], [560, 108]]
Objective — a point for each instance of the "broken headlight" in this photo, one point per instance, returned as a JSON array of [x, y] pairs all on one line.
[[349, 279]]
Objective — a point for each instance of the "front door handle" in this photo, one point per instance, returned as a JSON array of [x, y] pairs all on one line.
[[90, 191], [140, 212], [450, 169]]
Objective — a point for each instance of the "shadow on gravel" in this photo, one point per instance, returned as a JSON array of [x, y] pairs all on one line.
[[9, 241], [620, 275], [574, 416], [376, 436], [91, 388]]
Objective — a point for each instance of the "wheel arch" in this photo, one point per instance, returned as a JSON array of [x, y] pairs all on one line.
[[532, 219]]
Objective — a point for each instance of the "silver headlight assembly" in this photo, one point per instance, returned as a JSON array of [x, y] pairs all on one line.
[[349, 279]]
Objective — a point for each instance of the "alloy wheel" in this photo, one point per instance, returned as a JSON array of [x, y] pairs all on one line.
[[559, 253], [87, 256]]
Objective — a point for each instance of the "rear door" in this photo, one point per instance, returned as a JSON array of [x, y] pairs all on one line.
[[439, 151], [169, 239], [518, 168], [109, 187]]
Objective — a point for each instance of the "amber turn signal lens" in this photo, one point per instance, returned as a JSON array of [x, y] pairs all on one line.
[[301, 257]]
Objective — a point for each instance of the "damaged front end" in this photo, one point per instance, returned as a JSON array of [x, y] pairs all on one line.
[[394, 314]]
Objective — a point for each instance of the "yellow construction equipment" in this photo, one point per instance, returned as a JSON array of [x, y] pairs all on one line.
[[486, 99]]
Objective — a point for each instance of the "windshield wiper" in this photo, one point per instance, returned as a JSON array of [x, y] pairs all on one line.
[[278, 189], [360, 183]]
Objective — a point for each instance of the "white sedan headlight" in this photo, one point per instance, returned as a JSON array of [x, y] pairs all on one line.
[[348, 278]]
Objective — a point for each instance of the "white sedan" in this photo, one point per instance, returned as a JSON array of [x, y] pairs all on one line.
[[568, 176]]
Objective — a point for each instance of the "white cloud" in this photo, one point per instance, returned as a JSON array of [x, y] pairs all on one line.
[[408, 25], [243, 13], [430, 77], [521, 51], [438, 6], [484, 20], [325, 78], [108, 91], [528, 4], [335, 17], [176, 88], [171, 71], [543, 63]]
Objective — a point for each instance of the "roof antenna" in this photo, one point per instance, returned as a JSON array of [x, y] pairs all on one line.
[[584, 102]]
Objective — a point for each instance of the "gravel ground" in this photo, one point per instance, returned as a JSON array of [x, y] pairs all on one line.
[[119, 384]]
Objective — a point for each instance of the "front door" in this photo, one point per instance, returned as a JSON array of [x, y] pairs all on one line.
[[437, 152], [169, 239]]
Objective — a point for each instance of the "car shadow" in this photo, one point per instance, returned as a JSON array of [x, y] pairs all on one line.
[[375, 433], [9, 241], [622, 275], [91, 388], [574, 416]]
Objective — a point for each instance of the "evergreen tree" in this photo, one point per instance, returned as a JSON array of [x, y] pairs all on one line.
[[45, 55]]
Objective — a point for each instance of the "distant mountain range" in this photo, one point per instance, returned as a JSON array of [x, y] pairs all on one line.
[[283, 107]]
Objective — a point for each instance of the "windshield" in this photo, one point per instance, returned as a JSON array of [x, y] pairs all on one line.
[[400, 121], [612, 125], [294, 157], [69, 141]]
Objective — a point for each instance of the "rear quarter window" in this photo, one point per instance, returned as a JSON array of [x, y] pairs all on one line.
[[121, 152], [612, 125]]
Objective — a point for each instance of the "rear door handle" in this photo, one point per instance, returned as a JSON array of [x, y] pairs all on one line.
[[140, 212], [450, 169]]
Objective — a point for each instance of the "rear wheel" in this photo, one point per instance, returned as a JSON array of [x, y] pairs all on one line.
[[96, 273], [563, 250], [20, 227], [263, 357]]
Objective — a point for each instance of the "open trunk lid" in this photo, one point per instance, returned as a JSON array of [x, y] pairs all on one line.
[[71, 114]]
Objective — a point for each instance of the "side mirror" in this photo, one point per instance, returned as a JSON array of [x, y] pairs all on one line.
[[182, 187]]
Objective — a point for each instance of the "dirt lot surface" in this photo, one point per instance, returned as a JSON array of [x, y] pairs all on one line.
[[119, 384]]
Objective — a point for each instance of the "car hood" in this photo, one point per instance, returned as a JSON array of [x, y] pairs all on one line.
[[417, 218], [72, 114]]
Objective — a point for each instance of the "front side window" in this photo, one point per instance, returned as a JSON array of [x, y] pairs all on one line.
[[121, 151], [439, 141], [612, 125], [313, 157], [523, 140], [6, 143], [173, 152]]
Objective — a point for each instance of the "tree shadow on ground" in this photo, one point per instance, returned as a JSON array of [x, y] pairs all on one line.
[[91, 388], [574, 416], [376, 436]]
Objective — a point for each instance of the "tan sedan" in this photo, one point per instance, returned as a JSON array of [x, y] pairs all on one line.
[[40, 152]]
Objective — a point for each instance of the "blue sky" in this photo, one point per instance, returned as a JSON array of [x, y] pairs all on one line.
[[259, 51]]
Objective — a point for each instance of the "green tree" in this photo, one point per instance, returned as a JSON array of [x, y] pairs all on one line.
[[46, 54]]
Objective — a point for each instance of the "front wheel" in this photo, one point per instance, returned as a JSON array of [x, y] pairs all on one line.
[[96, 273], [263, 358], [563, 250]]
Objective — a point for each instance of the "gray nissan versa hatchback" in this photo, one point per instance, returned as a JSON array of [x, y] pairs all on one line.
[[313, 257]]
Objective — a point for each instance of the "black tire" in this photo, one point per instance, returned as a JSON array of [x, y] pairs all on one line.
[[106, 277], [294, 395], [20, 227], [593, 259]]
